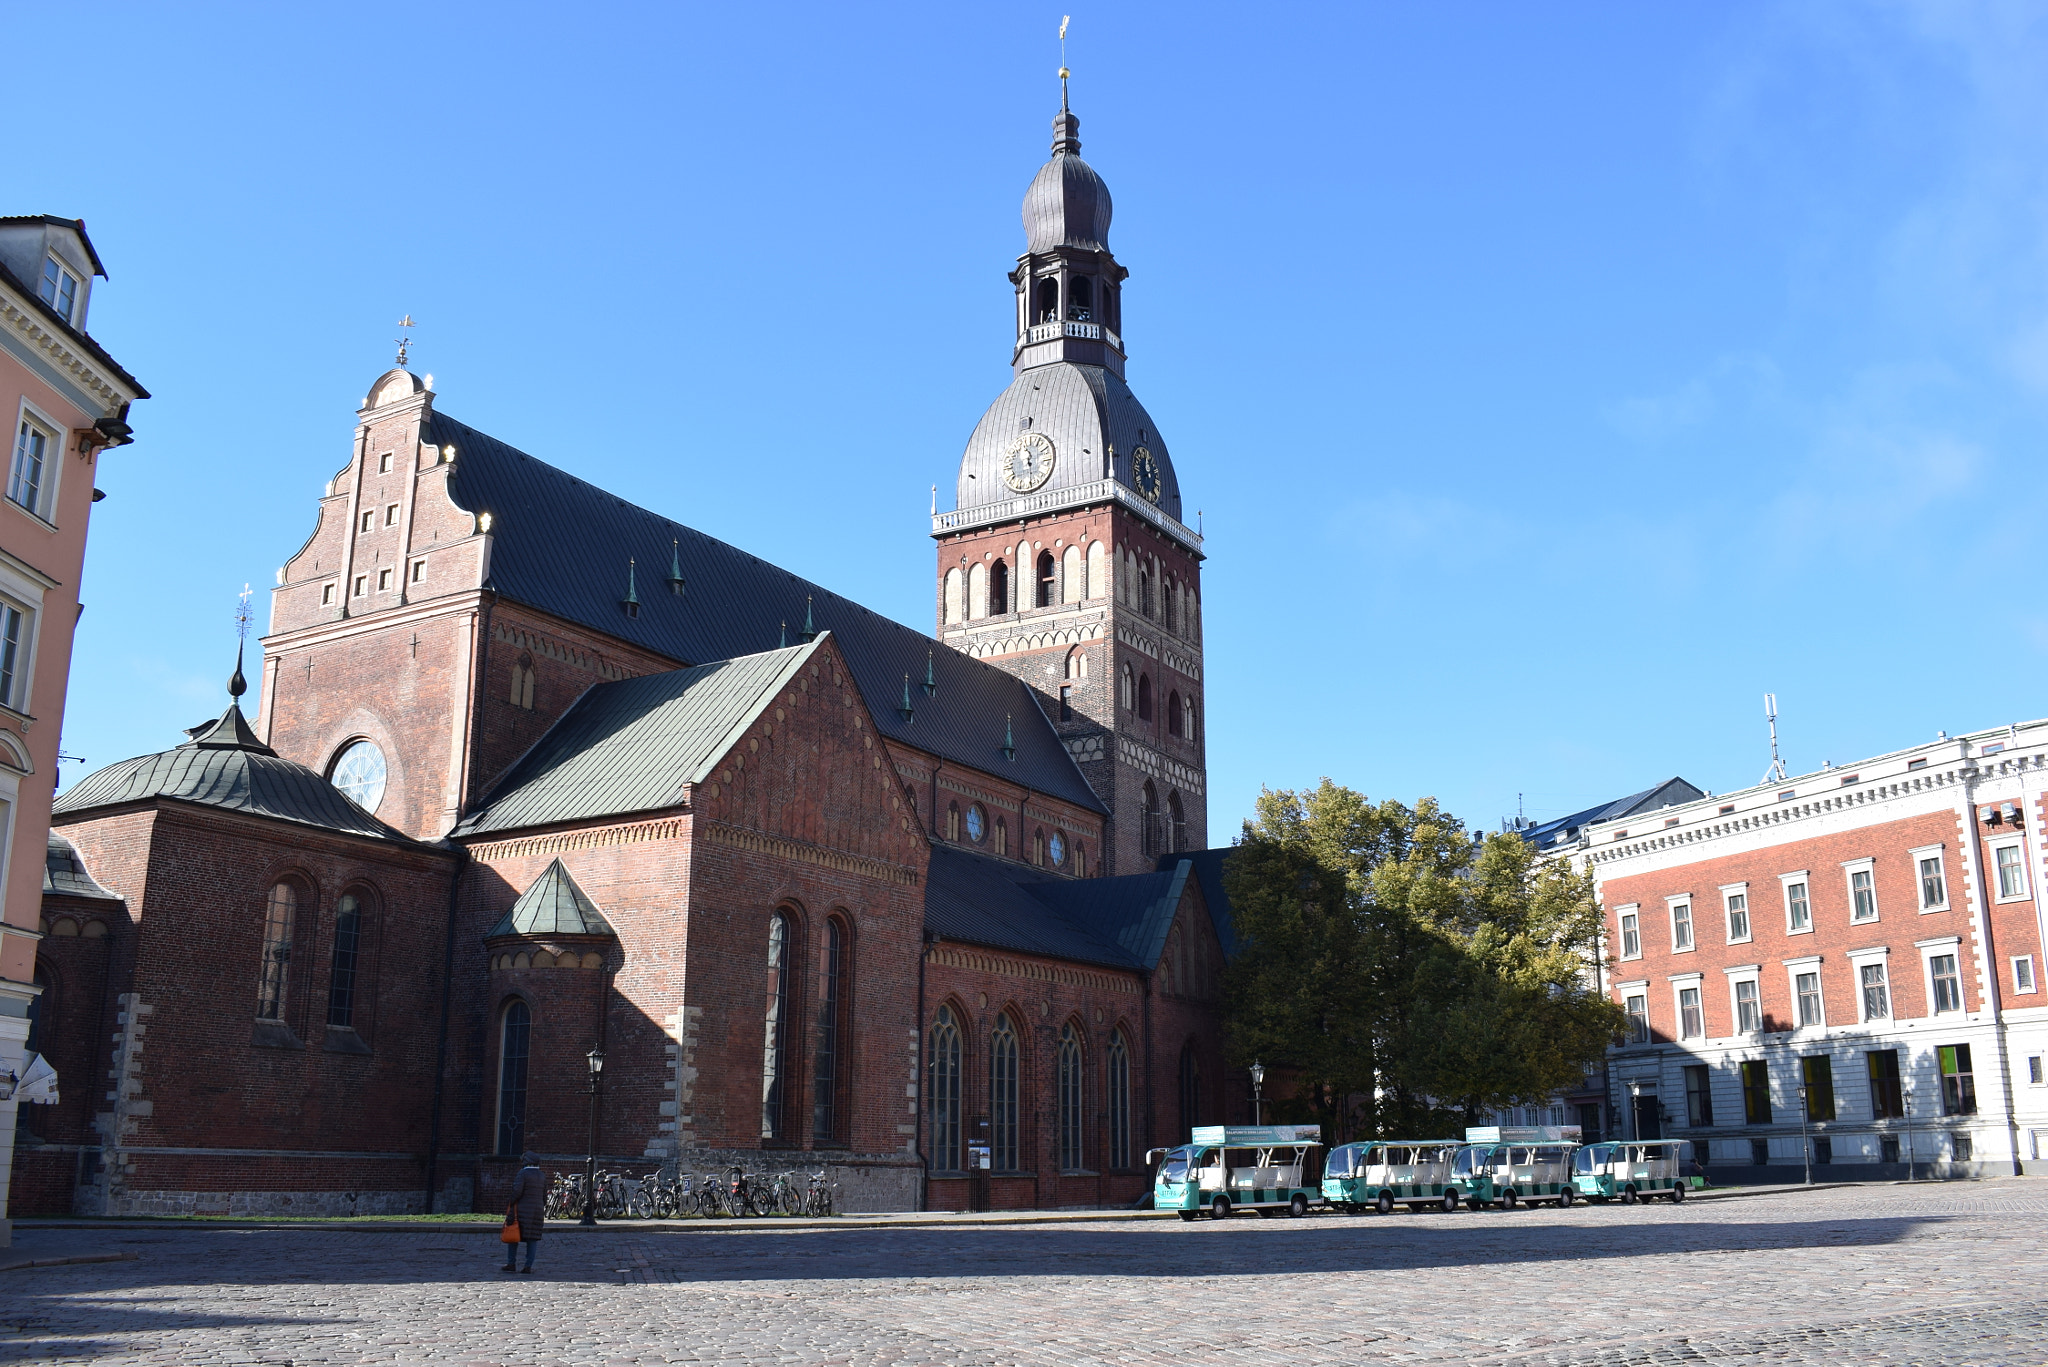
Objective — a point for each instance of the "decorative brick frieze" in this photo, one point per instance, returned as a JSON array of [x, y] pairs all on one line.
[[1143, 757], [985, 961], [761, 842], [563, 841]]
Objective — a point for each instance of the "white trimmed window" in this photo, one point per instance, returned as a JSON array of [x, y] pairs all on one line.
[[2023, 974], [1798, 905], [1629, 920], [1692, 1019], [1873, 984], [1809, 1011], [1735, 901], [59, 289], [1637, 1007], [1748, 1002], [1930, 878], [17, 637], [1681, 924], [1941, 962], [1862, 876], [2009, 867], [32, 475]]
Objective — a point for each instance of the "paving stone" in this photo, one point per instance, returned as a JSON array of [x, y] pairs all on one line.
[[1942, 1275]]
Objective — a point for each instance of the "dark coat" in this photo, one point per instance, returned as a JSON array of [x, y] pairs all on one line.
[[530, 1194]]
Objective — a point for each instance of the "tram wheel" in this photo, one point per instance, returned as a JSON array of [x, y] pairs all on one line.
[[1508, 1199], [1450, 1202], [1298, 1207], [1565, 1197], [1385, 1204], [1188, 1216], [1678, 1193], [1219, 1209], [1628, 1196]]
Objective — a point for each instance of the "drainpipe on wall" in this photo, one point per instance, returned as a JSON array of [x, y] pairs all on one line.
[[441, 1037], [924, 1167]]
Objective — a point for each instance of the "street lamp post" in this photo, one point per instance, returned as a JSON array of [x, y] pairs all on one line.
[[1258, 1092], [596, 1060], [1906, 1106], [1635, 1110], [1805, 1144]]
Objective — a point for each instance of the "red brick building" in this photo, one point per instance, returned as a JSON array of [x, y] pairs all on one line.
[[538, 771], [1843, 967]]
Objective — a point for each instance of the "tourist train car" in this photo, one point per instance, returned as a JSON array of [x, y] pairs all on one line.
[[1629, 1171], [1381, 1173], [1267, 1168], [1507, 1166]]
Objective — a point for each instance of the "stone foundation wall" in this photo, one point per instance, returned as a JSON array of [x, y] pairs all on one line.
[[253, 1203]]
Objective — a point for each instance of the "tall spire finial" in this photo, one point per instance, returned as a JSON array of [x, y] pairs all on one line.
[[404, 339], [237, 685], [1064, 20]]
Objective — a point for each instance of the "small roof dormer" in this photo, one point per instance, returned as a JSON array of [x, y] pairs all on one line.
[[54, 260]]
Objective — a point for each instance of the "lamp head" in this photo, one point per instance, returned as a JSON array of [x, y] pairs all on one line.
[[1258, 1074], [596, 1057]]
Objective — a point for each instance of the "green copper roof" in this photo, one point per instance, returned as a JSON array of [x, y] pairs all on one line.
[[554, 905]]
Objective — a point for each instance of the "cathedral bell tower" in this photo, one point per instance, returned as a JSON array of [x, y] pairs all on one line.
[[1067, 562]]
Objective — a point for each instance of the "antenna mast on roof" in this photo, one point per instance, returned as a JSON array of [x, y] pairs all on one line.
[[1777, 770]]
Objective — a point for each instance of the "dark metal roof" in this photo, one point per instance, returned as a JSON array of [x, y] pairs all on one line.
[[1548, 835], [635, 745], [554, 905], [238, 778], [1207, 868], [64, 872], [1068, 204], [1086, 411], [1120, 922], [561, 545]]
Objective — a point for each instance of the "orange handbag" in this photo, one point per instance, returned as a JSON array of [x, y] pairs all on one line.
[[510, 1233]]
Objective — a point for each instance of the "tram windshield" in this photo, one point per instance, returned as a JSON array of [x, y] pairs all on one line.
[[1468, 1160], [1589, 1159], [1174, 1167], [1344, 1160]]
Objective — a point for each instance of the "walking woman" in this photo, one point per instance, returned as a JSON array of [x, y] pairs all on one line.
[[529, 1201]]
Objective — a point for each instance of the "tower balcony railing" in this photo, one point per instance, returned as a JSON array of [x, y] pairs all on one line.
[[1052, 332], [1054, 500]]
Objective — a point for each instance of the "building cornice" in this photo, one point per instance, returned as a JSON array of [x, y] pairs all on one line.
[[1049, 501], [90, 375]]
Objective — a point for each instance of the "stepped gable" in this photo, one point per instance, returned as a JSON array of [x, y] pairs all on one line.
[[561, 545], [1117, 922], [636, 745]]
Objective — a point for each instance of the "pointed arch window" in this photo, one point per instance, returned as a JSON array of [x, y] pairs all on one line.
[[1176, 720], [835, 1033], [515, 1031], [953, 595], [1177, 828], [1151, 837], [522, 685], [1001, 837], [977, 591], [1190, 1089], [952, 821], [341, 978], [1118, 1079], [1048, 581], [775, 1089], [1169, 600], [1002, 1096], [942, 1091], [1098, 569], [1069, 1100], [1073, 588], [1127, 689], [1077, 663], [998, 588], [1187, 720], [1145, 697], [1145, 591], [278, 914]]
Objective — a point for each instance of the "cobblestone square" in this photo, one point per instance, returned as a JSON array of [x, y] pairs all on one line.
[[1930, 1274]]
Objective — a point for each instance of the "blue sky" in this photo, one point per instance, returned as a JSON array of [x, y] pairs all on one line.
[[1553, 380]]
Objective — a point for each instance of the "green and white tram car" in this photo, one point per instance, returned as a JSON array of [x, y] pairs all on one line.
[[1267, 1168], [1383, 1173], [1507, 1166], [1629, 1171]]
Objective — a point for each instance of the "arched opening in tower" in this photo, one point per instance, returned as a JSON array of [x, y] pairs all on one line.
[[1080, 299], [1048, 584], [998, 588], [1046, 301]]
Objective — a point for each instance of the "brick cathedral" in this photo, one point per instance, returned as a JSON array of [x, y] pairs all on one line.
[[538, 772]]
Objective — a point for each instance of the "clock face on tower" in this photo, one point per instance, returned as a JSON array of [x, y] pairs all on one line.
[[1028, 462], [1145, 473]]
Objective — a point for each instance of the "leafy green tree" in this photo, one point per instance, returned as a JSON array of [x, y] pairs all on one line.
[[1407, 975]]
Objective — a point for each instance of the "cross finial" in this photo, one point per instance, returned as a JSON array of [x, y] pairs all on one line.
[[404, 338], [242, 615]]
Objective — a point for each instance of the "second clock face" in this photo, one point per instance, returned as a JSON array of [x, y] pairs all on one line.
[[1145, 473], [1028, 462]]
